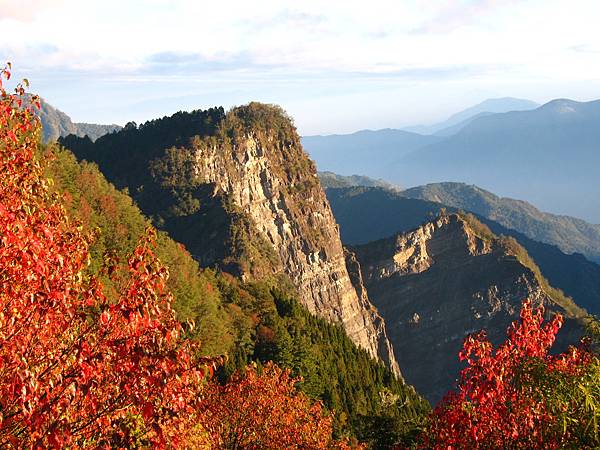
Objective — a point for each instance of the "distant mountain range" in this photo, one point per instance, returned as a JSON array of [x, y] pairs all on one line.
[[459, 120], [368, 151], [56, 123], [365, 152], [548, 156]]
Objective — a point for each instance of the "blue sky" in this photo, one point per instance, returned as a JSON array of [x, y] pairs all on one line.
[[335, 66]]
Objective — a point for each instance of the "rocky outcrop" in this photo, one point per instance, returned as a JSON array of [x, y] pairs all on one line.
[[409, 253], [258, 164], [239, 192], [442, 281]]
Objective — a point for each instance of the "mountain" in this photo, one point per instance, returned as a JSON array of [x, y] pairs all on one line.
[[330, 179], [367, 152], [445, 279], [56, 123], [250, 321], [375, 153], [567, 233], [453, 129], [548, 155], [369, 214], [459, 120], [238, 191]]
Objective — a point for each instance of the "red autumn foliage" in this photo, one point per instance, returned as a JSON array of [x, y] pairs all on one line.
[[83, 369], [264, 410], [76, 369], [505, 399]]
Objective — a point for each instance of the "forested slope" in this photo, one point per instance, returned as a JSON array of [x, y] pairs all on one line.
[[247, 321]]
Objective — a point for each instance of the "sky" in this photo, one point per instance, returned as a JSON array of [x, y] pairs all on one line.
[[335, 66]]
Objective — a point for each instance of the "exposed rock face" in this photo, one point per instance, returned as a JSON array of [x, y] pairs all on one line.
[[386, 351], [274, 183], [240, 193], [440, 282]]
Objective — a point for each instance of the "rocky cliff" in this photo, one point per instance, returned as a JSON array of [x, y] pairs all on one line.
[[245, 196], [266, 174], [444, 280]]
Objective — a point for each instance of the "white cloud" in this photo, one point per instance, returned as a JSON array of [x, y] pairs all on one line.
[[312, 49], [374, 36]]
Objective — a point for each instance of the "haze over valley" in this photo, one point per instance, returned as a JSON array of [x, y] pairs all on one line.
[[546, 155]]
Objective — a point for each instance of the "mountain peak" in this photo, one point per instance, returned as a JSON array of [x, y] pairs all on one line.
[[562, 105], [566, 106], [245, 171], [462, 118]]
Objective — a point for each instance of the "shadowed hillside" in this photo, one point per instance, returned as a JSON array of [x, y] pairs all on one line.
[[369, 214]]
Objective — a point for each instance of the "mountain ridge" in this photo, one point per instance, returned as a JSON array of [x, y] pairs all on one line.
[[246, 170], [570, 234], [445, 279]]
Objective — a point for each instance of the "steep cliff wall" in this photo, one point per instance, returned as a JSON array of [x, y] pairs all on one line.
[[240, 193], [442, 281], [266, 174]]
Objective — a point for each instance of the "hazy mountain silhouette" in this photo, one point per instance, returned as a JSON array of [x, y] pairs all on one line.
[[549, 156], [374, 152], [457, 121], [363, 152]]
